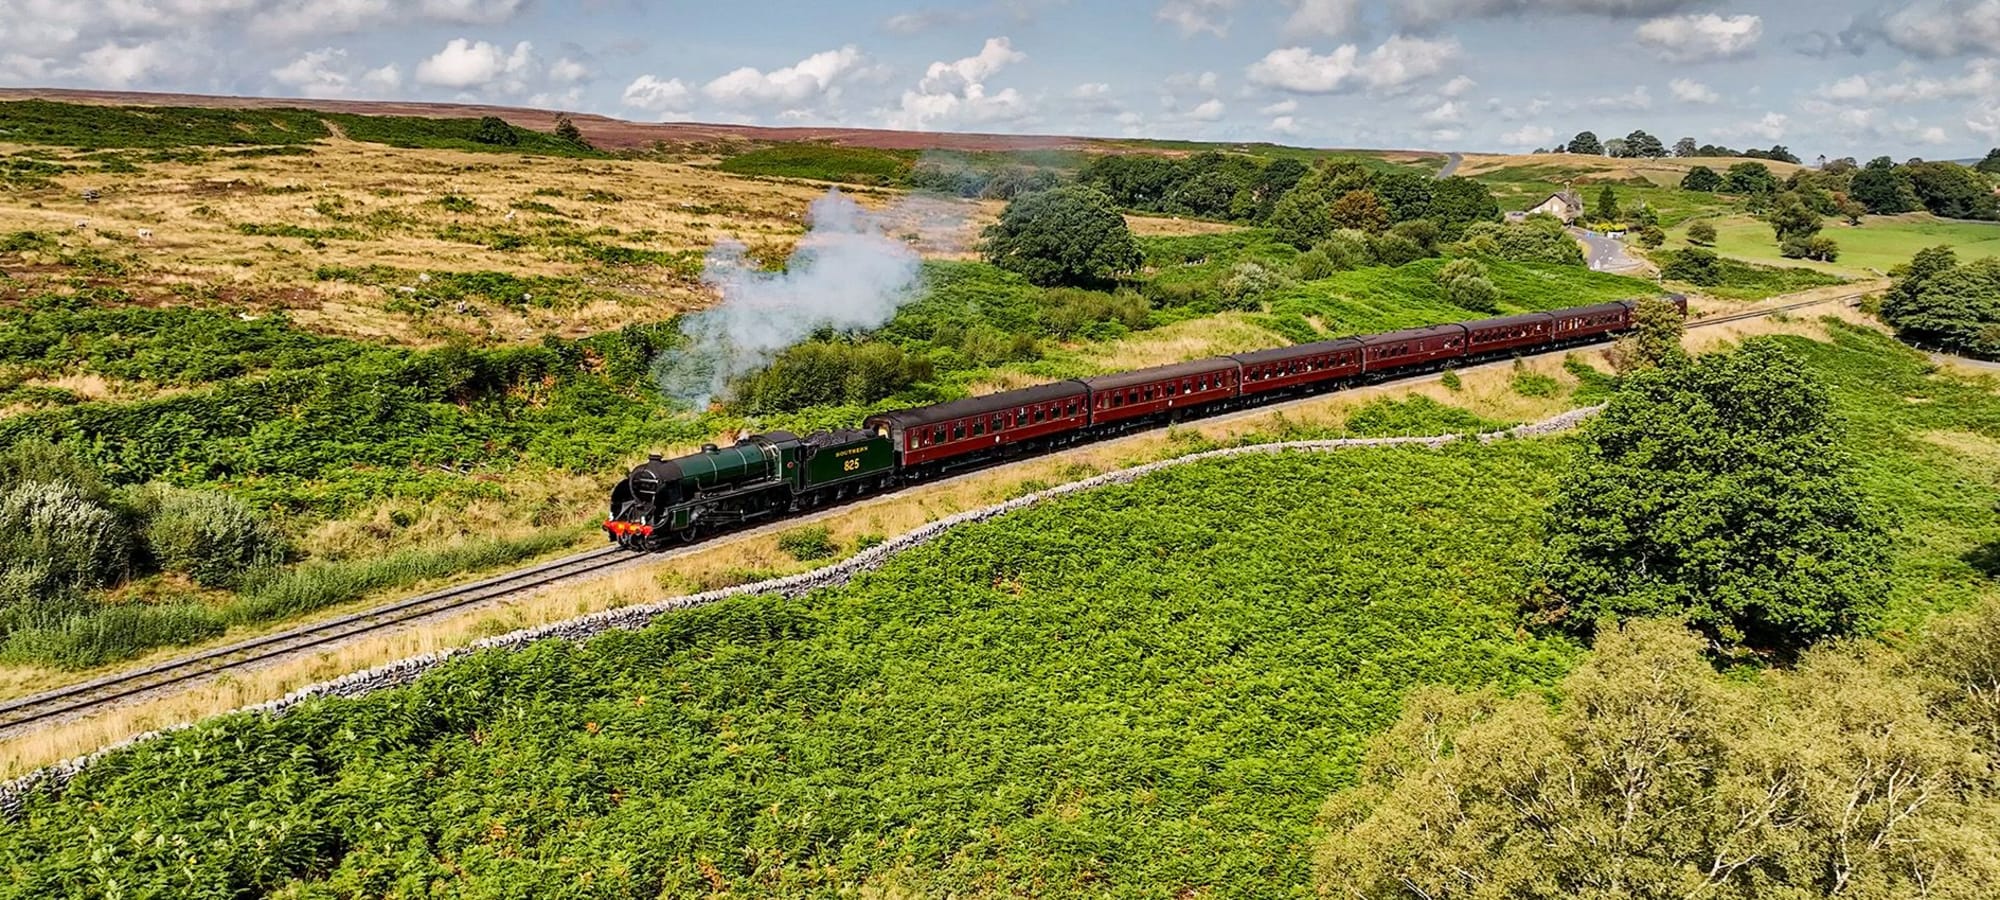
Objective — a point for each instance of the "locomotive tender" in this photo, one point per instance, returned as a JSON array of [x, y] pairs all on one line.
[[668, 501]]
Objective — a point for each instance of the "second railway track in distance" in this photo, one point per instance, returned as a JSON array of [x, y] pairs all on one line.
[[73, 700]]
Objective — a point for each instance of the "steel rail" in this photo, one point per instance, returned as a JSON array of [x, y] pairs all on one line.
[[84, 695]]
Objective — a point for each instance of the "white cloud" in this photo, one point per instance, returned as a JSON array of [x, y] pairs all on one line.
[[1193, 17], [1703, 37], [1687, 90], [1636, 98], [466, 64], [1985, 122], [121, 65], [568, 71], [656, 96], [386, 80], [1948, 28], [1280, 108], [1771, 127], [1448, 112], [1321, 18], [924, 20], [1285, 125], [1090, 91], [1458, 87], [1980, 78], [807, 80], [1529, 136], [944, 77], [1398, 63], [286, 19], [1426, 13], [1210, 110], [1447, 134], [318, 73], [955, 93]]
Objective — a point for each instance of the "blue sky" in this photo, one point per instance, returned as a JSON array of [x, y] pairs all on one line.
[[1840, 77]]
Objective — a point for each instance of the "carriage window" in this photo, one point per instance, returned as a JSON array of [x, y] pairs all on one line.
[[1117, 399], [958, 432], [978, 428], [997, 420], [937, 437]]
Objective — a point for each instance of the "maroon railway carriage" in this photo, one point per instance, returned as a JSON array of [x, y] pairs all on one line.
[[1412, 348], [1281, 368], [1146, 392], [978, 425], [1586, 323], [1509, 333]]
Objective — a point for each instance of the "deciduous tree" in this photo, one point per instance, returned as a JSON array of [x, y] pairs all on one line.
[[1750, 178], [1654, 777], [1070, 235], [1585, 142], [1703, 179], [1717, 491], [1701, 233], [1685, 147]]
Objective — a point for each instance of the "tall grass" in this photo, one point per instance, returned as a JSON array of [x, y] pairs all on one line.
[[320, 584]]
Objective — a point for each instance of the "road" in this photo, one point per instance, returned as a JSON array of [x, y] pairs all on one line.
[[1606, 254], [1451, 165]]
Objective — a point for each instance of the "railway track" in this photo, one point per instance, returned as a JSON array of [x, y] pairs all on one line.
[[74, 700]]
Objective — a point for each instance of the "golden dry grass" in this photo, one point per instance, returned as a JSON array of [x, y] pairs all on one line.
[[1663, 172], [389, 198], [1174, 226]]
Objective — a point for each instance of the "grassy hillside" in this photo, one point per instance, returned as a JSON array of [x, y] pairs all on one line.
[[1017, 708]]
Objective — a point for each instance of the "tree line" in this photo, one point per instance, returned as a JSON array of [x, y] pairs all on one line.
[[1641, 145]]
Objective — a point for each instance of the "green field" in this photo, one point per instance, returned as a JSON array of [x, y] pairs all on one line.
[[1146, 690], [1523, 187], [1015, 709], [1880, 243]]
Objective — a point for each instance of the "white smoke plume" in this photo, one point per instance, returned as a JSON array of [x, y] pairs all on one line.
[[848, 273]]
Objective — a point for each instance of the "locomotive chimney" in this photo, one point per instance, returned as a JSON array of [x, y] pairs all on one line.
[[654, 457]]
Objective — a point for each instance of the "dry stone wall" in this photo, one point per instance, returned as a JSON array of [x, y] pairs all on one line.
[[402, 672]]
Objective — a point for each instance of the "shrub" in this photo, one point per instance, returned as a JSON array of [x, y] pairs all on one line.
[[1530, 383], [57, 543], [1347, 249], [818, 373], [1248, 283], [495, 131], [1538, 239], [808, 544], [1396, 249], [1701, 233], [213, 538], [1067, 311], [1466, 285], [1314, 265], [1694, 266]]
